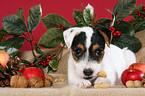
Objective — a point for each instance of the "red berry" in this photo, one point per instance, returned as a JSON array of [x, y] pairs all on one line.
[[139, 15], [114, 34], [136, 13], [32, 64], [112, 28], [144, 17], [44, 64], [47, 60], [62, 28], [49, 57], [47, 63], [59, 26], [143, 8], [139, 12]]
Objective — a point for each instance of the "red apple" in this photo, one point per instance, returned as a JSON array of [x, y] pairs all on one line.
[[4, 58], [139, 66], [132, 74], [29, 72]]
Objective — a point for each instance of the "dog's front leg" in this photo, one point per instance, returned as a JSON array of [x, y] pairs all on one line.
[[73, 79]]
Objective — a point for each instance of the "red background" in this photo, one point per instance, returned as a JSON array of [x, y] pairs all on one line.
[[61, 7]]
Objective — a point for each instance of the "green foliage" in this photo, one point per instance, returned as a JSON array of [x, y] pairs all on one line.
[[130, 42], [20, 14], [14, 25], [12, 45], [124, 8], [54, 20], [54, 64], [34, 17], [52, 38]]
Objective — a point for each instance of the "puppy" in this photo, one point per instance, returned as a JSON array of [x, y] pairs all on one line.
[[91, 52]]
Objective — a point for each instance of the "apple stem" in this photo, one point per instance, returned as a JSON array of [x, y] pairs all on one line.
[[132, 66]]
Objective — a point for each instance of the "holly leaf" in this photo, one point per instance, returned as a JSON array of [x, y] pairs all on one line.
[[104, 22], [12, 45], [124, 8], [88, 14], [38, 50], [54, 20], [20, 14], [52, 38], [34, 17], [125, 28], [78, 17], [131, 42], [14, 25], [54, 64]]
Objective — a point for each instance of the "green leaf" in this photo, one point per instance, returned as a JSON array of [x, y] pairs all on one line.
[[78, 17], [25, 61], [20, 14], [138, 25], [131, 42], [104, 22], [14, 25], [34, 17], [124, 8], [88, 14], [54, 20], [125, 28], [52, 38], [12, 45], [54, 64], [38, 50]]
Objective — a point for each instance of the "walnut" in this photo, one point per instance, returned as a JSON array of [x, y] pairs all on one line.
[[130, 84], [36, 82], [101, 85], [48, 80], [18, 81]]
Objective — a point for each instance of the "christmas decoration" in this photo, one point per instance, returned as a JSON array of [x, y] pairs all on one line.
[[10, 70], [36, 82], [18, 81]]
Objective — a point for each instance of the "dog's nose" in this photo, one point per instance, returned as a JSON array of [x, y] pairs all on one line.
[[88, 72]]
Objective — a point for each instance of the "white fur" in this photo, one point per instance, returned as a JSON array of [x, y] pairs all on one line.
[[114, 62]]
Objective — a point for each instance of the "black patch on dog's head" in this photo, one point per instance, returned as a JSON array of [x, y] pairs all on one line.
[[96, 50], [78, 46]]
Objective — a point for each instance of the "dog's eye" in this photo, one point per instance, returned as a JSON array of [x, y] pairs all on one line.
[[78, 52], [98, 53]]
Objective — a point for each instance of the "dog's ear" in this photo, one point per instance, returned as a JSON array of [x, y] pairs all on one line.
[[107, 36], [69, 35]]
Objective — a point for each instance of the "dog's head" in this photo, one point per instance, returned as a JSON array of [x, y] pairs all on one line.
[[87, 48]]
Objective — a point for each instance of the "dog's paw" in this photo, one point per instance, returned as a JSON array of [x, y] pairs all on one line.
[[84, 84]]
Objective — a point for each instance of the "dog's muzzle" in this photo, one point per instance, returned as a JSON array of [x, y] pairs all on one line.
[[88, 73]]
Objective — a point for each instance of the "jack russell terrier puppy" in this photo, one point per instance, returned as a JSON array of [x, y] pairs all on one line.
[[91, 52]]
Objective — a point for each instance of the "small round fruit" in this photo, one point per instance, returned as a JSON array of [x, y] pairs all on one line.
[[139, 66], [36, 82], [131, 74], [4, 57], [30, 72], [18, 81]]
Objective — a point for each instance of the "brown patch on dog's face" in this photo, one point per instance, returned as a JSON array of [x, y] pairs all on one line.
[[96, 46], [78, 51]]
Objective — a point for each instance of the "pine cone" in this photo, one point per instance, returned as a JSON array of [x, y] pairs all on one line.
[[11, 69]]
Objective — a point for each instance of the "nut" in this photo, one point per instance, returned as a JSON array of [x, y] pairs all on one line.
[[138, 83], [130, 84], [48, 80], [18, 81], [60, 79], [101, 85], [102, 74], [36, 82]]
